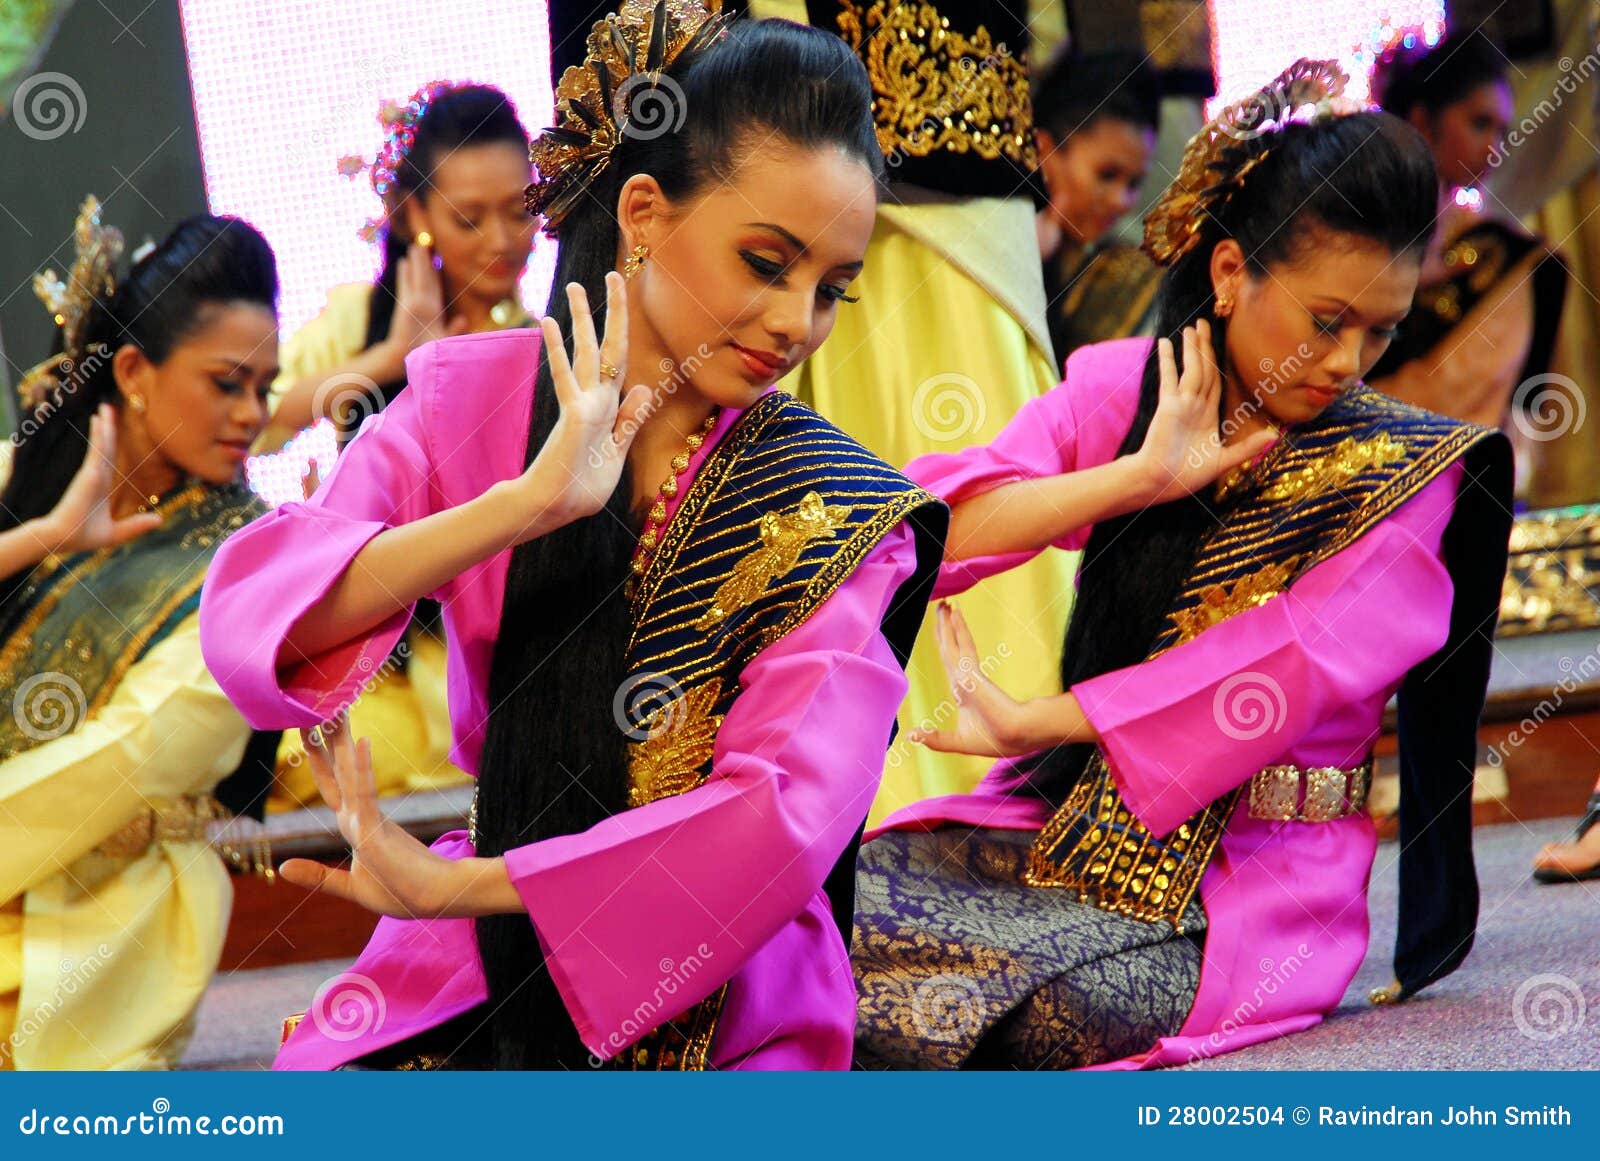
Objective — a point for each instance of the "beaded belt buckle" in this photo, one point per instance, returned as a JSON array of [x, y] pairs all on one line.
[[1318, 794]]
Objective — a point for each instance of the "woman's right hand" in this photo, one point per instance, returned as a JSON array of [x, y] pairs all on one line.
[[578, 468], [420, 312], [81, 519], [1183, 450]]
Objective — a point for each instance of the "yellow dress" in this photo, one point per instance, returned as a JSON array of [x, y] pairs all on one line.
[[109, 934], [404, 713], [948, 342]]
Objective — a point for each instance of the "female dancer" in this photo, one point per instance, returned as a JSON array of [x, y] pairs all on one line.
[[455, 238], [1097, 116], [1490, 295], [1177, 865], [122, 744], [645, 888]]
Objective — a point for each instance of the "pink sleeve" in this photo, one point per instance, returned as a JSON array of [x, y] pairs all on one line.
[[270, 572], [1185, 728], [1077, 424], [711, 875]]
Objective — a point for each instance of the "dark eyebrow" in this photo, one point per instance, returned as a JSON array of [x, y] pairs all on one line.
[[1345, 308], [799, 245], [781, 232]]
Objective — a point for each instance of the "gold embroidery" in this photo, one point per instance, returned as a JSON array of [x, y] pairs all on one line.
[[1344, 463], [937, 89], [783, 539], [1221, 601], [676, 754]]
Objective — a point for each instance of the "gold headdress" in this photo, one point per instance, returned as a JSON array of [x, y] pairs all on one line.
[[1233, 143], [617, 90], [93, 276]]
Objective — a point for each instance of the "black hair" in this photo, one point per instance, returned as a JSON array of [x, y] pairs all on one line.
[[205, 262], [1435, 78], [554, 757], [1076, 90], [1366, 176], [458, 118]]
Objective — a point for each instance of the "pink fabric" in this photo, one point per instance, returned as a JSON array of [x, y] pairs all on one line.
[[1302, 679], [652, 910]]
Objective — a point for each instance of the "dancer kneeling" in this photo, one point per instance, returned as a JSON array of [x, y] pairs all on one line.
[[1172, 861]]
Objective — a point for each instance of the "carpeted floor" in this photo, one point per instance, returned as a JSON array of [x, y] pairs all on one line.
[[1527, 998]]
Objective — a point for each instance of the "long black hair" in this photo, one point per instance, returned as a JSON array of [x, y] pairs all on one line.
[[554, 757], [1366, 176], [203, 263]]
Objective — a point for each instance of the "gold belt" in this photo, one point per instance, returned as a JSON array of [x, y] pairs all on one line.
[[1317, 794], [188, 819], [176, 820]]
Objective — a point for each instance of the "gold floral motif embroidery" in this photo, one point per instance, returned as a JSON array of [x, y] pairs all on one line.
[[674, 755], [1222, 601], [935, 88], [783, 539], [1348, 459]]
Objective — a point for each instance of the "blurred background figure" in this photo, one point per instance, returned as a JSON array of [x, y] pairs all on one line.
[[1490, 298], [455, 238], [121, 751], [1096, 117]]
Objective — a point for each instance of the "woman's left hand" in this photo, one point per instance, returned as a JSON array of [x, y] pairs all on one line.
[[390, 872], [989, 721]]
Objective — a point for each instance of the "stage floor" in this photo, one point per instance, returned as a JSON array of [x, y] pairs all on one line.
[[1528, 996]]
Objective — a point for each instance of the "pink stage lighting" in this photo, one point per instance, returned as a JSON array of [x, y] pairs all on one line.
[[1255, 40]]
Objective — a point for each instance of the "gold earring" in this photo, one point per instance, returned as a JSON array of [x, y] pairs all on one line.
[[635, 260], [137, 403], [1224, 306], [424, 239]]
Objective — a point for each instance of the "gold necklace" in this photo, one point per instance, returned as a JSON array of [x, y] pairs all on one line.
[[669, 489]]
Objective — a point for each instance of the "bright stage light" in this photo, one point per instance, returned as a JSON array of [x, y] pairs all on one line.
[[1255, 40]]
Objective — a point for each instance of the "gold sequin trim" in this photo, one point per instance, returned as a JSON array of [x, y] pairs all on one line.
[[937, 89]]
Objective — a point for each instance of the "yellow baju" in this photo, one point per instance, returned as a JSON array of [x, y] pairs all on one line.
[[404, 712], [947, 344], [106, 949]]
